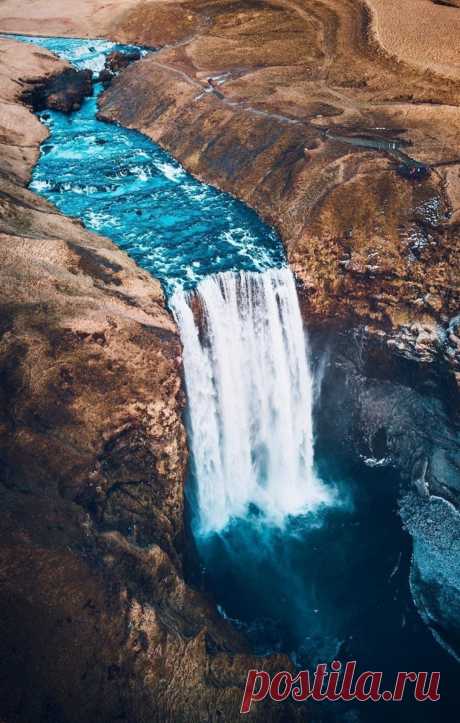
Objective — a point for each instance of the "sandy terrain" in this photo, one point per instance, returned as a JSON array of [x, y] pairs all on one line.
[[114, 19], [420, 32], [84, 18]]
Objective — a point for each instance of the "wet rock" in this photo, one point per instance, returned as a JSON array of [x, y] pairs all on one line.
[[404, 415], [413, 173], [96, 620], [66, 92], [394, 408], [435, 567], [105, 77], [117, 59]]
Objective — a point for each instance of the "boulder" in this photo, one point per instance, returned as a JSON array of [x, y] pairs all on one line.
[[117, 60], [105, 77], [65, 92]]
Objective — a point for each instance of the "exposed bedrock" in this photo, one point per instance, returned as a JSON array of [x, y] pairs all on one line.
[[116, 61], [435, 568], [96, 622], [65, 92], [404, 415]]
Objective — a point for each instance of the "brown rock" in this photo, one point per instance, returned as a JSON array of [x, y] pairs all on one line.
[[117, 59], [65, 92], [366, 244], [105, 77], [96, 622], [292, 69]]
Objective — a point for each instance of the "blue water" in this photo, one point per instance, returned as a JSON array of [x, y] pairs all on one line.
[[122, 185], [335, 589]]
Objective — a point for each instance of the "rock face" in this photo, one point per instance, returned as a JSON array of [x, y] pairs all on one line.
[[65, 92], [276, 102], [243, 94], [401, 414], [435, 571], [117, 60], [105, 77], [96, 622]]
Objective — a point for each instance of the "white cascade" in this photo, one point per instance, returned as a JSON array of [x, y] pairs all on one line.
[[250, 396]]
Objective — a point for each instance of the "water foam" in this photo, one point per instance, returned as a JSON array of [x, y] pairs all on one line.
[[250, 394]]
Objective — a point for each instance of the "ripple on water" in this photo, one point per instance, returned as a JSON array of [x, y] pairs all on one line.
[[124, 186]]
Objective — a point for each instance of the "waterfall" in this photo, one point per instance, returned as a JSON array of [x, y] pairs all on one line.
[[249, 390]]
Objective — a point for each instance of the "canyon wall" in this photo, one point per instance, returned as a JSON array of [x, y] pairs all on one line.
[[96, 621]]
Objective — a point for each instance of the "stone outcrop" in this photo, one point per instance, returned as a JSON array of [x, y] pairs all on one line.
[[116, 61], [249, 98], [242, 93], [96, 621], [435, 567], [105, 77], [65, 92]]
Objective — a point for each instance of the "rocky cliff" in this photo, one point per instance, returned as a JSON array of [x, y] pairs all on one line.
[[96, 622]]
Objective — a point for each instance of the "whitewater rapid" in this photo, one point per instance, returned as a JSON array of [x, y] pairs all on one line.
[[250, 396]]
